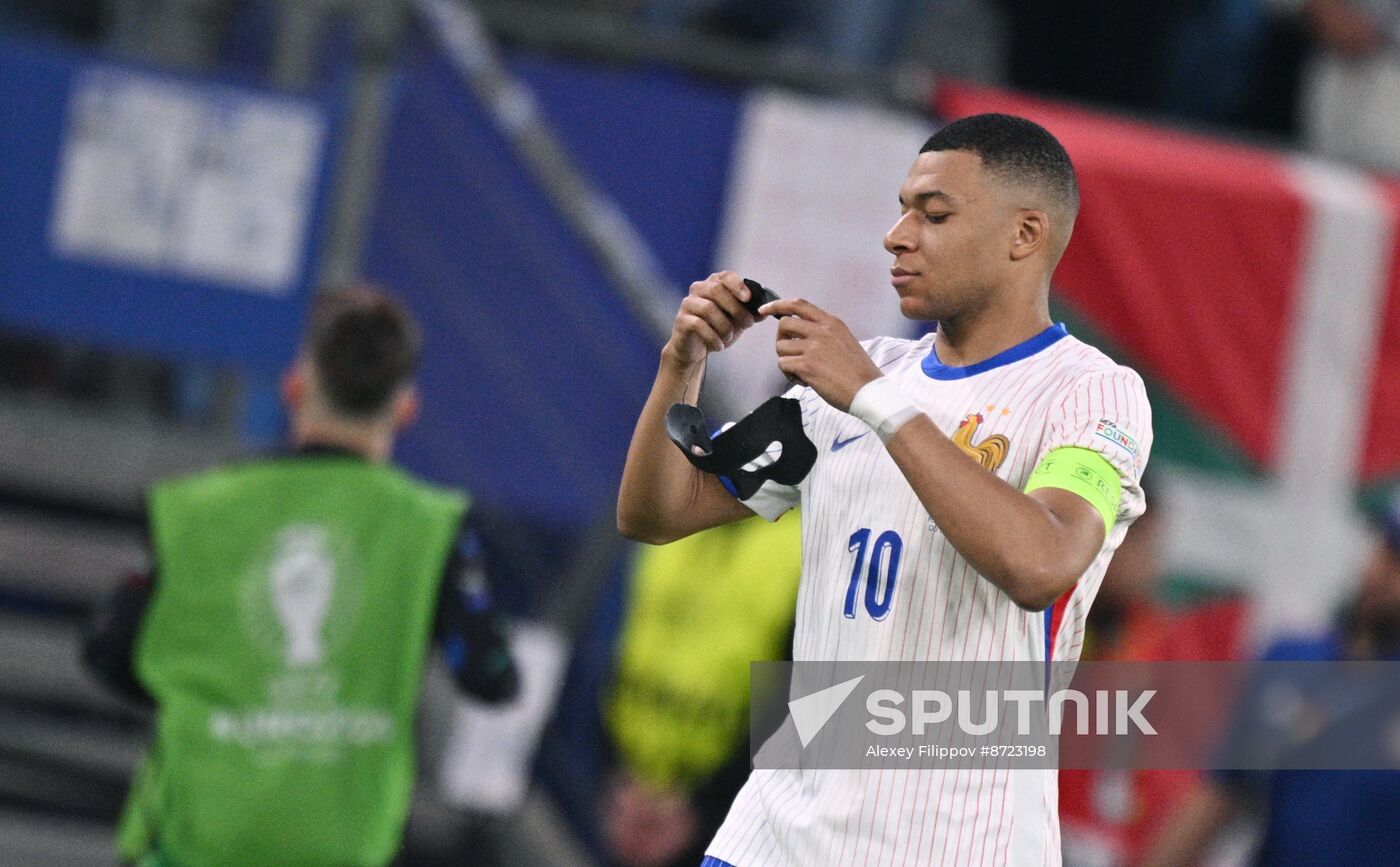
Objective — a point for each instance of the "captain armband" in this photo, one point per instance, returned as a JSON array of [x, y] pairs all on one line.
[[1083, 472]]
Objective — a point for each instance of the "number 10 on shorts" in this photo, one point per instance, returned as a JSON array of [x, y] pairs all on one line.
[[882, 575]]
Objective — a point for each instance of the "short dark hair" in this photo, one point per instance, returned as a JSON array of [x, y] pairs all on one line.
[[364, 345], [1015, 148]]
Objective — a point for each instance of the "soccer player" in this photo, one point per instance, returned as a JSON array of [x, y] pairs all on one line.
[[990, 469], [283, 632]]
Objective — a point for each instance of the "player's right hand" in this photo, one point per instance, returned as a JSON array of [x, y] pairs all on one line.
[[711, 317]]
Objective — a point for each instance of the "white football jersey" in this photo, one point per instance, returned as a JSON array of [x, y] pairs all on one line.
[[880, 582]]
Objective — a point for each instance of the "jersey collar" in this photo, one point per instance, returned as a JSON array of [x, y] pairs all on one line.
[[936, 369], [321, 450]]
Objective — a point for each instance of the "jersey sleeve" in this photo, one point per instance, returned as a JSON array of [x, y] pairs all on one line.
[[1106, 411], [109, 645], [471, 628]]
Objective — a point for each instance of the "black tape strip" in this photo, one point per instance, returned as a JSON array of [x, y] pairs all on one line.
[[779, 420]]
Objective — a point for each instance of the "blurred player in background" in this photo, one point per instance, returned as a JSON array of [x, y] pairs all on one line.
[[699, 611], [283, 630], [989, 470], [1316, 818]]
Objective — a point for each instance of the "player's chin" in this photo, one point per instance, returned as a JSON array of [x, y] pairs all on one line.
[[917, 308]]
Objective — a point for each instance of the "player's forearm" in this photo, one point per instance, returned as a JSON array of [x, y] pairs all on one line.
[[659, 486], [1010, 538]]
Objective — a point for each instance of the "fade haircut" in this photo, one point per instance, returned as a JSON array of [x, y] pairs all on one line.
[[364, 345], [1015, 149]]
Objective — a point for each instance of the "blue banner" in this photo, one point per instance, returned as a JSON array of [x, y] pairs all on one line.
[[154, 212], [534, 371]]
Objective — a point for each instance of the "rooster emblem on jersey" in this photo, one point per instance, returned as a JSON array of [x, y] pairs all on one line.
[[990, 452]]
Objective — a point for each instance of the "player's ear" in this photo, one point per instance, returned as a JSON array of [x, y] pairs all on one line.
[[407, 406], [1032, 234]]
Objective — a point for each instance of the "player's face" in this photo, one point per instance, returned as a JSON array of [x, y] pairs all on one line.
[[948, 248]]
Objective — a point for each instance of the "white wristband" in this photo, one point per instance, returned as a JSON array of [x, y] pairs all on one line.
[[881, 404]]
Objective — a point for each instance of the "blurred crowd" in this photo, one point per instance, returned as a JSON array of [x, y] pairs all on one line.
[[1323, 74], [1319, 74]]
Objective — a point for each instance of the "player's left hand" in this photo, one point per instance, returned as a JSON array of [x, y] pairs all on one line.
[[818, 350]]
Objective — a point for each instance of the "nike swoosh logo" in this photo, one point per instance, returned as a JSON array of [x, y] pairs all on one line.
[[840, 444]]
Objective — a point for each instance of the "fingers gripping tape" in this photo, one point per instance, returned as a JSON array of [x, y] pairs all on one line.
[[728, 454], [759, 295]]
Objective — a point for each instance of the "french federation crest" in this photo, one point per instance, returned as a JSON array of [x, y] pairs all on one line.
[[990, 452]]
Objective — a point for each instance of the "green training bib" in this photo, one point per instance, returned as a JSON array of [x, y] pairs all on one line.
[[285, 646]]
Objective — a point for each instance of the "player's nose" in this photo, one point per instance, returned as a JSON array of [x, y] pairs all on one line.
[[901, 238]]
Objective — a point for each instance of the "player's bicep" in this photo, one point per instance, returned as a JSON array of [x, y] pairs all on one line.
[[1083, 492], [1080, 525], [713, 506], [1087, 475]]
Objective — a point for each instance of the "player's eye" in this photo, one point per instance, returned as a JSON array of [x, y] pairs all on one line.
[[936, 218]]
